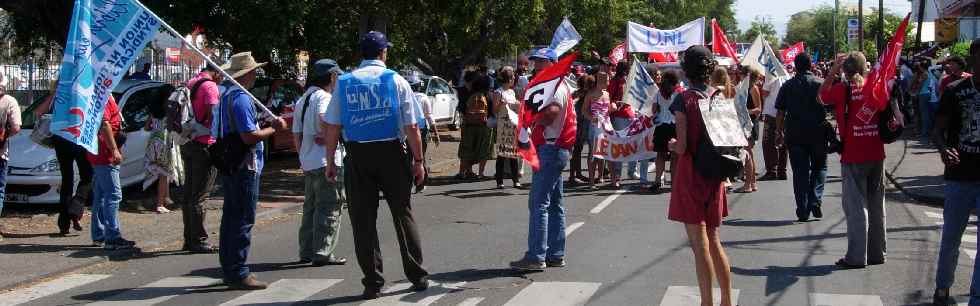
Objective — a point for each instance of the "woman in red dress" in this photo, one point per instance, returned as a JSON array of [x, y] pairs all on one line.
[[696, 201]]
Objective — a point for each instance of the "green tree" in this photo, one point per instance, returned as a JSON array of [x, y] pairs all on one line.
[[815, 28], [761, 26]]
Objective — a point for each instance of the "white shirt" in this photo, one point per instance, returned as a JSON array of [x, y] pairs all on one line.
[[561, 99], [311, 155], [405, 98], [665, 116], [769, 107], [426, 105]]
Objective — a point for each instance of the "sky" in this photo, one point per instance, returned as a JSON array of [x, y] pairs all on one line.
[[747, 10]]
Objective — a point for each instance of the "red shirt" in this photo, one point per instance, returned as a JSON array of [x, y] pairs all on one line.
[[624, 111], [861, 141], [203, 100], [616, 87], [110, 114]]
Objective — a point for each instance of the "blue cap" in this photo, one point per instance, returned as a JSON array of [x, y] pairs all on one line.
[[374, 41], [325, 66], [544, 53]]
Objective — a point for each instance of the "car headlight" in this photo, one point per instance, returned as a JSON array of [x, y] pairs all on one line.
[[46, 167]]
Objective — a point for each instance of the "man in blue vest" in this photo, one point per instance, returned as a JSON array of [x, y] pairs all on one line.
[[374, 106]]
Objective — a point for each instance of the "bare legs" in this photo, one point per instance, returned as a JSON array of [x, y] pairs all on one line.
[[710, 262], [750, 181], [163, 193]]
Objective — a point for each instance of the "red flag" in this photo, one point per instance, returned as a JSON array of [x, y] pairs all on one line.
[[540, 90], [719, 43], [618, 53], [789, 54], [876, 87], [657, 57]]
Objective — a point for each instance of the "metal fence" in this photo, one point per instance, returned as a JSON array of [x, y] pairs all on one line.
[[26, 77]]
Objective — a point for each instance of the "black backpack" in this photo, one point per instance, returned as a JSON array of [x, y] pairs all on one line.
[[712, 161], [228, 152]]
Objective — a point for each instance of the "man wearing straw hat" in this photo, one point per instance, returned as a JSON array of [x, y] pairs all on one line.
[[375, 108], [237, 117]]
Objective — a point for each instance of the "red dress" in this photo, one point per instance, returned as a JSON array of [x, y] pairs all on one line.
[[695, 199]]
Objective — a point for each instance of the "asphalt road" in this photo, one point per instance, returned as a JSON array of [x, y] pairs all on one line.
[[622, 250]]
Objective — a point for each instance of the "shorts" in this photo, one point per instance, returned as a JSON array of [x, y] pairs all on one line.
[[662, 135]]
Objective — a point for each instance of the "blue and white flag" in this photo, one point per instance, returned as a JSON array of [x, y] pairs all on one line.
[[105, 38], [647, 40], [640, 89], [565, 37], [761, 55]]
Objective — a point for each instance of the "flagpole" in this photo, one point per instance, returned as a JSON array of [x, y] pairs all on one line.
[[207, 59]]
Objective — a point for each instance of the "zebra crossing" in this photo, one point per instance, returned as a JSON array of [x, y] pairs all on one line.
[[290, 291], [969, 239]]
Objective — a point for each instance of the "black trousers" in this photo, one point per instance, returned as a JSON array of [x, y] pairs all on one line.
[[198, 185], [69, 155], [506, 162], [373, 167]]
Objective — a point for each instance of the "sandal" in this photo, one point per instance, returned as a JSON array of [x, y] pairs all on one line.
[[744, 189]]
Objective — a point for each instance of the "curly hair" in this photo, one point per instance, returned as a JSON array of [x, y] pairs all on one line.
[[698, 64]]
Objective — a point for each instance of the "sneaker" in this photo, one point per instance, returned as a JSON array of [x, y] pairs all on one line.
[[555, 263], [528, 265], [118, 244], [941, 298], [247, 283], [782, 176], [420, 285], [817, 212], [517, 185], [371, 293], [500, 186], [98, 243]]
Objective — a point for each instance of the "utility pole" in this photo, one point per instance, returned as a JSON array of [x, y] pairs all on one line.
[[881, 26], [861, 25], [918, 31], [834, 32]]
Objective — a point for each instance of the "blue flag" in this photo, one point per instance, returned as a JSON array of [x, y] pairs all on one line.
[[105, 38], [565, 37]]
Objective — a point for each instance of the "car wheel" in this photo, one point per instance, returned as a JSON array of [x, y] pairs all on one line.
[[454, 124]]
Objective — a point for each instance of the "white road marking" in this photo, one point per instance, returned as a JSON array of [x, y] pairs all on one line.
[[284, 292], [824, 299], [933, 215], [969, 238], [554, 294], [572, 227], [157, 292], [686, 296], [608, 200], [400, 294], [473, 301], [970, 252], [48, 288]]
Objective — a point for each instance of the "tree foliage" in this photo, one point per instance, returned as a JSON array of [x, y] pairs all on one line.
[[815, 28], [761, 26], [438, 36]]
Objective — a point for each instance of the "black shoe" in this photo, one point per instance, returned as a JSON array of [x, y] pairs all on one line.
[[941, 298], [247, 283], [782, 176], [119, 244], [876, 262], [420, 285], [768, 177], [98, 243], [527, 265], [843, 264], [816, 211], [655, 187], [371, 293], [330, 261], [555, 263], [203, 248], [801, 219]]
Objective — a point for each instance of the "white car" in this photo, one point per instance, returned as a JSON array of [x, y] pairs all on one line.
[[34, 175], [444, 100]]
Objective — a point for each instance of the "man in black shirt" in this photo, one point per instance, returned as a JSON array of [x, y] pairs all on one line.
[[800, 127], [956, 134]]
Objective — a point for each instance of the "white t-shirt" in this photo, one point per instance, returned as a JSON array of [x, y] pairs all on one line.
[[665, 116], [561, 99], [311, 155], [426, 105], [9, 117], [769, 107]]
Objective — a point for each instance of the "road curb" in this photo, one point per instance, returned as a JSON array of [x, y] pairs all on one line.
[[272, 213], [921, 198]]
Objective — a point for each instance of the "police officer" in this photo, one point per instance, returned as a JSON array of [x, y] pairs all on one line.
[[374, 106]]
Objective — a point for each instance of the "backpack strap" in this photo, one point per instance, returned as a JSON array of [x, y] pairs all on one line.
[[193, 93]]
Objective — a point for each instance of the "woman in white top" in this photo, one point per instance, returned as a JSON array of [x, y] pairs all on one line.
[[666, 129], [596, 107], [505, 104]]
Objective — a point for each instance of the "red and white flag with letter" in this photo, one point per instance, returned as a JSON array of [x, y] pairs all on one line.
[[540, 90], [789, 54], [618, 54], [719, 42], [876, 87]]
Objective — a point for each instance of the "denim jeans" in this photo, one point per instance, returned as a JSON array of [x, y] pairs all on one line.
[[926, 112], [546, 227], [961, 197], [106, 195], [3, 183], [238, 217], [644, 167], [809, 163]]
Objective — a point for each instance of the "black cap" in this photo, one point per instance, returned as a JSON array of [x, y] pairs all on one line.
[[325, 66]]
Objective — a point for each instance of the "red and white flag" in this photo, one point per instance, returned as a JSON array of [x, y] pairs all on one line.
[[719, 42], [618, 53], [789, 54], [658, 57], [540, 90], [876, 90]]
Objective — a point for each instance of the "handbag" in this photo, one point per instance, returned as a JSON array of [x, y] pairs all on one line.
[[889, 132], [42, 132]]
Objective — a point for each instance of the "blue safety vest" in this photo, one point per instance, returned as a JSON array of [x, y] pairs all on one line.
[[369, 106]]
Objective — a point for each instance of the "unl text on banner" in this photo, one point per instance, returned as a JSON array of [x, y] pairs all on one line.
[[646, 39]]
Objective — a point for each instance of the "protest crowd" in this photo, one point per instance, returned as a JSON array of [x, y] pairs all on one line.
[[643, 126]]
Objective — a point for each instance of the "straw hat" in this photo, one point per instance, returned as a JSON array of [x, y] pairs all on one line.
[[241, 64]]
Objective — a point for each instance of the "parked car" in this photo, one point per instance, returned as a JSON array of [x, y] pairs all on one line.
[[444, 100], [279, 95], [34, 175]]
